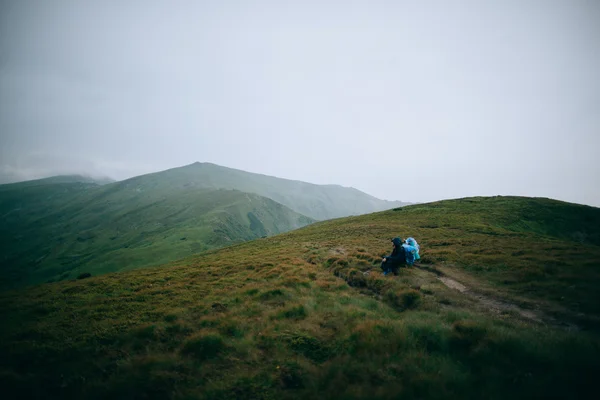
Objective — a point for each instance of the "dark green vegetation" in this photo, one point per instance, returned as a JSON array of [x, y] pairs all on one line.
[[57, 228], [293, 316]]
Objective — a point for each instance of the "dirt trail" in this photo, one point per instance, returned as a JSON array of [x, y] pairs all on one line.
[[492, 304], [497, 305]]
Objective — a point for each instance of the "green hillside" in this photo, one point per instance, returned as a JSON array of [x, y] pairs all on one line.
[[504, 304], [320, 202], [57, 229], [55, 180]]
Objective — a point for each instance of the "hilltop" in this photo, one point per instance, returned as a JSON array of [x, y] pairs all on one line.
[[307, 314], [320, 202], [59, 227]]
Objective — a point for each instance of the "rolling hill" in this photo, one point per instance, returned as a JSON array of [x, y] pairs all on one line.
[[59, 228], [56, 180], [504, 304], [319, 202]]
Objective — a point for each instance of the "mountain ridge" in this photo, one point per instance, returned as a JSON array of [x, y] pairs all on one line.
[[72, 178], [318, 201], [57, 231], [58, 227]]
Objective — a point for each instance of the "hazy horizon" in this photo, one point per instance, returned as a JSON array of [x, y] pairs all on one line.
[[403, 101]]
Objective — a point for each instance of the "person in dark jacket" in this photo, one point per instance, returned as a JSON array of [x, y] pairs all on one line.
[[393, 262]]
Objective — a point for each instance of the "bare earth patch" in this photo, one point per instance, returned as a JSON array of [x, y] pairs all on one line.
[[452, 284], [500, 306]]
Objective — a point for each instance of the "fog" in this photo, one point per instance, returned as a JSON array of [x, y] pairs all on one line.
[[405, 100]]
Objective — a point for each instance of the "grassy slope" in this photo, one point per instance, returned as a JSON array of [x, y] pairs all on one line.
[[55, 180], [292, 316], [53, 231], [320, 202], [56, 228]]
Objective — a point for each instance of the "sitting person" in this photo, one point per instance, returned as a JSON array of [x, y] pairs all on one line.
[[392, 262]]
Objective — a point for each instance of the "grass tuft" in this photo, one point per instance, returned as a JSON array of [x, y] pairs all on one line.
[[296, 312], [204, 346], [403, 299]]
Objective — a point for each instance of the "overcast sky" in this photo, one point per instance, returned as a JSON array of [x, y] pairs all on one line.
[[405, 100]]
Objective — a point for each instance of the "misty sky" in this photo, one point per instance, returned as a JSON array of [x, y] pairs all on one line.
[[405, 100]]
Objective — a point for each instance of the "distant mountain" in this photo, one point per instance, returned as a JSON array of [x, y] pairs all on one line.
[[59, 227], [58, 179], [316, 201]]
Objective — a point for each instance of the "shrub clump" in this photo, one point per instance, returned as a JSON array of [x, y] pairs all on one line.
[[404, 299], [291, 375], [84, 275], [309, 347], [145, 332], [298, 312], [352, 276], [170, 318], [356, 278], [271, 294], [468, 334], [204, 347], [232, 329]]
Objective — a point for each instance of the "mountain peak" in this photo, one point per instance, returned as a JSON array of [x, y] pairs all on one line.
[[319, 202]]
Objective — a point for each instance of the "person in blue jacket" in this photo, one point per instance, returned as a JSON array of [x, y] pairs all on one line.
[[411, 249], [393, 262]]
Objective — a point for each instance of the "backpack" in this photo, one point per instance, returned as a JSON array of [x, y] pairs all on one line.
[[411, 247]]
